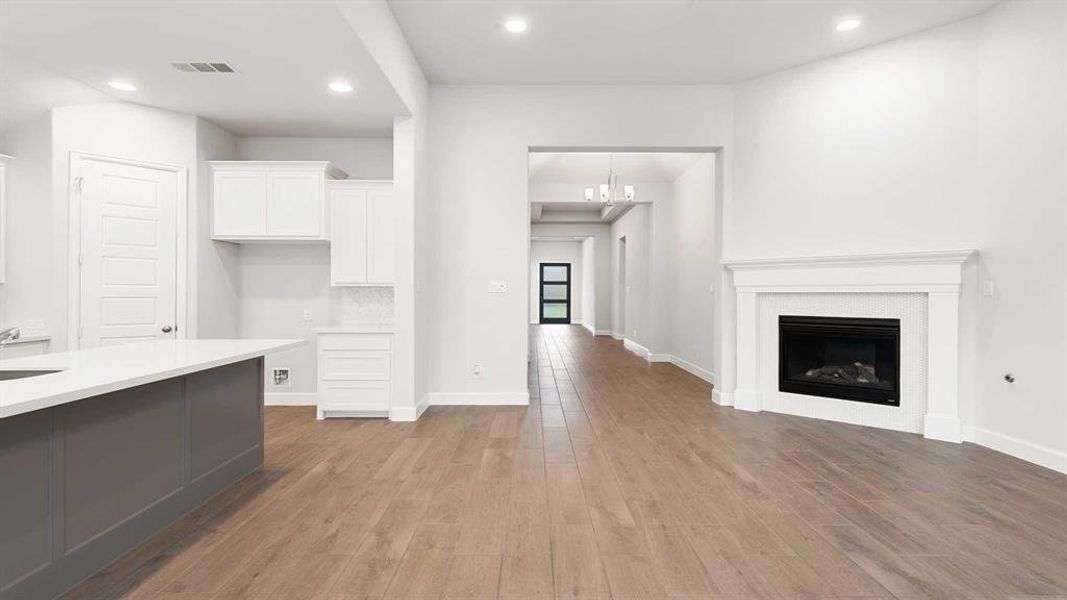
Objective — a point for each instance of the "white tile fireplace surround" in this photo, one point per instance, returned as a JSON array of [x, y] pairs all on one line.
[[920, 289]]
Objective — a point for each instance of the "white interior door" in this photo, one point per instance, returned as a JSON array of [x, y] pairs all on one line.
[[127, 284]]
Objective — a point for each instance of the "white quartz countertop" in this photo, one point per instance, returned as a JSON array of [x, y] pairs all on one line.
[[96, 371]]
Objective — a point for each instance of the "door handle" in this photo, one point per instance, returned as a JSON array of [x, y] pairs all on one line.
[[167, 329]]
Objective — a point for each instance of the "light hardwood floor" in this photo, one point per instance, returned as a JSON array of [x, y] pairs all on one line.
[[620, 480]]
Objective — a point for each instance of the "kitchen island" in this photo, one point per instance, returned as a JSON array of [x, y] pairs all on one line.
[[109, 445]]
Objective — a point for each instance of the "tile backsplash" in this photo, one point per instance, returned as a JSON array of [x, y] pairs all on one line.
[[362, 305]]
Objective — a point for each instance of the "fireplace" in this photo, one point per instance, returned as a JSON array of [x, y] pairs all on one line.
[[840, 357]]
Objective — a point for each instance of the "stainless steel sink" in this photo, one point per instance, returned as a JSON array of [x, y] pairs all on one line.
[[7, 375]]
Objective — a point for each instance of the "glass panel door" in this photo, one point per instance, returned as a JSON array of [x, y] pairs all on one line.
[[555, 293]]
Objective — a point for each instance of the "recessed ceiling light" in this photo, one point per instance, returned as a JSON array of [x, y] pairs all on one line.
[[341, 87], [848, 25], [515, 25], [123, 86]]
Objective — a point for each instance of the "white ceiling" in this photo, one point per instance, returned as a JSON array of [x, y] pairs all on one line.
[[285, 54], [591, 168], [650, 41], [28, 89]]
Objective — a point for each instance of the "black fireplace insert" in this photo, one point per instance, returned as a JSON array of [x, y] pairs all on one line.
[[840, 357]]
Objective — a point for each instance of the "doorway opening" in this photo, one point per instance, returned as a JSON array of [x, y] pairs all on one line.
[[644, 276], [555, 293]]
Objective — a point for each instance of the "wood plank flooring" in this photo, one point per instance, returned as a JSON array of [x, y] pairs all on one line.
[[620, 480]]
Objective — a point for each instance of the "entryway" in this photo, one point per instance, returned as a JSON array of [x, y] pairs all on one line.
[[555, 293]]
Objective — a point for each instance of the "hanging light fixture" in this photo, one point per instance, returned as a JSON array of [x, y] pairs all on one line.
[[609, 190]]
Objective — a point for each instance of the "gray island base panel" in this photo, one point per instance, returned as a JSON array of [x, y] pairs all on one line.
[[85, 482]]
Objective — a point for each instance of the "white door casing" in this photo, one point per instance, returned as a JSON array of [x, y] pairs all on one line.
[[125, 238]]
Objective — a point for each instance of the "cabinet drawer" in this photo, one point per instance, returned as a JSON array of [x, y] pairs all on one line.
[[354, 365], [355, 341], [354, 396]]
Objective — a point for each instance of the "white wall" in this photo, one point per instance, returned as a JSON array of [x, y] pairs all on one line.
[[278, 282], [952, 138], [361, 158], [632, 314], [214, 297], [589, 278], [27, 294], [1019, 220], [693, 258], [596, 280], [480, 137], [544, 251]]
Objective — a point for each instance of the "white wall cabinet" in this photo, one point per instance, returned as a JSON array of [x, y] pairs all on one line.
[[355, 373], [362, 233], [270, 201]]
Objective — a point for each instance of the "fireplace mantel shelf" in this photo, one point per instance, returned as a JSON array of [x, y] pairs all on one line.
[[898, 258]]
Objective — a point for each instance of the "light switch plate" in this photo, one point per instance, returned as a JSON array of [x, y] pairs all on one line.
[[988, 287], [498, 287]]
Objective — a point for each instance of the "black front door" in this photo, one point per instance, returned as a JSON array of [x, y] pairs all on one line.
[[555, 293]]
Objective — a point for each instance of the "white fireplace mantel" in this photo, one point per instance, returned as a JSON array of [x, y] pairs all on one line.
[[937, 274]]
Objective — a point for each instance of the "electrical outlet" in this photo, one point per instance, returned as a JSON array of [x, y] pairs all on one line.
[[307, 314], [280, 376], [989, 287], [476, 371]]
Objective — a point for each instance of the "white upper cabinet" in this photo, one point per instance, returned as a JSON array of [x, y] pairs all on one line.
[[263, 201], [362, 233]]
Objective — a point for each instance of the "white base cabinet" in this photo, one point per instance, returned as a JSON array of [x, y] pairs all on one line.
[[355, 371], [270, 201], [362, 233]]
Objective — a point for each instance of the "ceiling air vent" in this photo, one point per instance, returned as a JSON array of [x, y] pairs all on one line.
[[203, 67]]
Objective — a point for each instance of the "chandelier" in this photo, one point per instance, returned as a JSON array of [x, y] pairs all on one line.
[[609, 191]]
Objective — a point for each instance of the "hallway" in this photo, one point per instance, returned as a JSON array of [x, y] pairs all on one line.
[[621, 480]]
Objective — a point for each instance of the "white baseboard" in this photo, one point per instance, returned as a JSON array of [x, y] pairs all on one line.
[[290, 398], [943, 428], [722, 398], [693, 369], [617, 336], [479, 398], [409, 413], [636, 348], [603, 332], [684, 365], [1012, 446], [748, 400], [590, 328]]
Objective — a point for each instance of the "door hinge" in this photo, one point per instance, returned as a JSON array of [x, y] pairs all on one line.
[[79, 333], [78, 184], [81, 258]]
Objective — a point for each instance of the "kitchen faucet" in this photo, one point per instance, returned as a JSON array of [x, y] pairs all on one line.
[[9, 334]]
